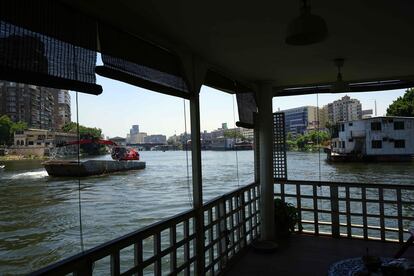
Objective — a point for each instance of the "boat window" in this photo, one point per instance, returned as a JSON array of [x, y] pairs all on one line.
[[376, 144], [398, 125], [376, 126], [399, 144]]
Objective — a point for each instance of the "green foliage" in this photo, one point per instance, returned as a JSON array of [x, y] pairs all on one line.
[[403, 106], [87, 133], [19, 126], [8, 128], [286, 218], [84, 132], [307, 142], [231, 133]]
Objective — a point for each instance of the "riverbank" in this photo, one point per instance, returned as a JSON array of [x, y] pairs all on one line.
[[22, 157]]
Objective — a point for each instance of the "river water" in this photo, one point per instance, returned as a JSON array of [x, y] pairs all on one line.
[[39, 215]]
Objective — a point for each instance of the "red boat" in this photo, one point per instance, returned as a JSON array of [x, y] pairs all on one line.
[[117, 152]]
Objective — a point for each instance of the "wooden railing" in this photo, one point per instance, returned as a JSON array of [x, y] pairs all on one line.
[[168, 247], [370, 211], [231, 222]]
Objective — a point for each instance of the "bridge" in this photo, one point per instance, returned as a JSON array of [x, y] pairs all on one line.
[[146, 146]]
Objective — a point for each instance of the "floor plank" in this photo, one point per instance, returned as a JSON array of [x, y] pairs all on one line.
[[309, 255]]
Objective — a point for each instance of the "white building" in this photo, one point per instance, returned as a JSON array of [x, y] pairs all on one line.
[[376, 137], [344, 110], [39, 142], [136, 138]]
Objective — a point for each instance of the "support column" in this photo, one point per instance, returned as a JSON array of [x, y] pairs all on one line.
[[195, 70], [265, 124], [197, 181]]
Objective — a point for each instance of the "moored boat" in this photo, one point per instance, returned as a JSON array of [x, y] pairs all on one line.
[[124, 159], [379, 139], [66, 168]]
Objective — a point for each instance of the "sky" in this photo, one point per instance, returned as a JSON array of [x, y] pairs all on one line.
[[122, 105]]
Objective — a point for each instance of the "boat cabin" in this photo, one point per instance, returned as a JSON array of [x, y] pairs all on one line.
[[380, 136]]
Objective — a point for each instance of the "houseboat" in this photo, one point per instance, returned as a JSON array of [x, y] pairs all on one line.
[[373, 139]]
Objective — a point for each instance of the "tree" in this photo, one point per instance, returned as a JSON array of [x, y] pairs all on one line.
[[403, 106], [8, 128], [87, 133], [5, 126], [310, 140], [19, 126], [231, 133]]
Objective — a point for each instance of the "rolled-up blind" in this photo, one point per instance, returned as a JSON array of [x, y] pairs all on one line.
[[46, 43], [135, 61], [246, 101], [246, 104]]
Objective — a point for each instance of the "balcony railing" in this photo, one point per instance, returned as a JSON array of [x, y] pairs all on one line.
[[369, 211], [231, 222]]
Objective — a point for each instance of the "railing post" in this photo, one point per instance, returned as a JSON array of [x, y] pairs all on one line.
[[222, 233], [334, 210], [197, 180]]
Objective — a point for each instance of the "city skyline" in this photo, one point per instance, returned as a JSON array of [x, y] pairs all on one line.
[[122, 105]]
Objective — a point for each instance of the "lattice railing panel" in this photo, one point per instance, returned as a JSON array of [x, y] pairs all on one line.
[[279, 147], [231, 223], [369, 211]]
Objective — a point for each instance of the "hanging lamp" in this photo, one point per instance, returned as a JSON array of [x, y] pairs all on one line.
[[339, 85], [306, 29]]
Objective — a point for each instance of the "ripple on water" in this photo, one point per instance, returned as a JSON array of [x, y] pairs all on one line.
[[43, 213]]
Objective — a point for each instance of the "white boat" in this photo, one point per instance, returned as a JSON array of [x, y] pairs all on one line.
[[2, 167]]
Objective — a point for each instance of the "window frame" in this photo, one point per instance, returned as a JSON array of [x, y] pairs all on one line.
[[400, 146], [376, 146], [376, 124], [400, 124]]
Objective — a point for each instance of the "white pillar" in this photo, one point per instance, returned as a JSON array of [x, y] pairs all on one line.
[[265, 124]]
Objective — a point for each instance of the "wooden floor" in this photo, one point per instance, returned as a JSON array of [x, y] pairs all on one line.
[[309, 255]]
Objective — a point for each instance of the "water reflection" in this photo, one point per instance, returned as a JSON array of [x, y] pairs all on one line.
[[39, 220]]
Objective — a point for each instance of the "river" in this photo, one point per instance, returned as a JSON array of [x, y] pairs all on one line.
[[39, 215]]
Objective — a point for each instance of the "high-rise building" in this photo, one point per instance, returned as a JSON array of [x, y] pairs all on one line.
[[37, 106], [300, 119], [156, 138], [323, 117], [134, 129], [344, 110], [134, 136], [62, 108]]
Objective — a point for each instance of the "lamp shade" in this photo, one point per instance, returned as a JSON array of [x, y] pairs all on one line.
[[306, 29]]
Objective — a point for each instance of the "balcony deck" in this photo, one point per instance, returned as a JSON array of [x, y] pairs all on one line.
[[310, 255]]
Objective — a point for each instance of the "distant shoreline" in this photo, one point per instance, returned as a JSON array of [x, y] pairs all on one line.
[[21, 158]]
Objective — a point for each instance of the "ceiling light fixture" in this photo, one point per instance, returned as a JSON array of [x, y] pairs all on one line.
[[339, 85], [307, 28]]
